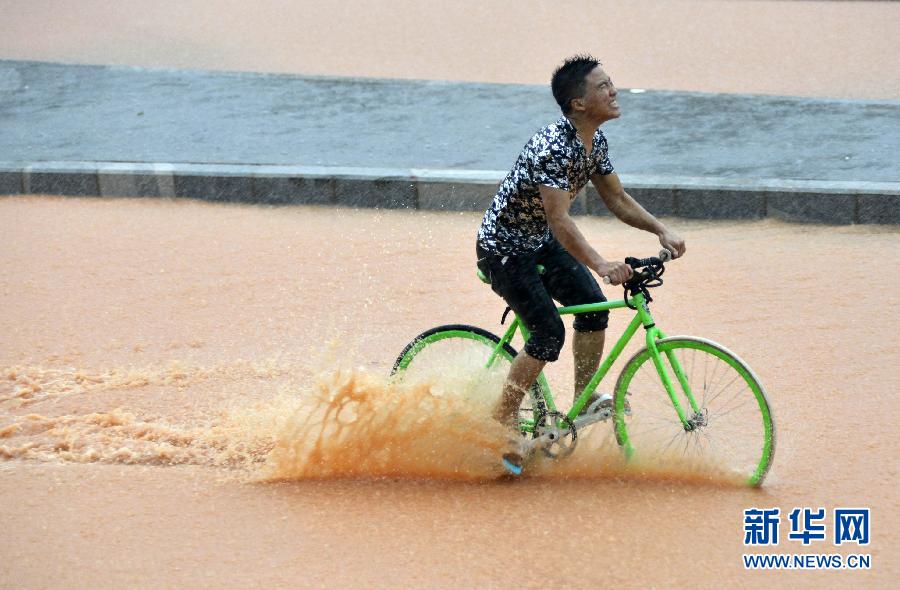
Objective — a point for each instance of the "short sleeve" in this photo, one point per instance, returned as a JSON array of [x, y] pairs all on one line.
[[603, 165], [551, 169]]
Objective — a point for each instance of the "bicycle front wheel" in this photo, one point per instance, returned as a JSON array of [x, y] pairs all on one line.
[[728, 424], [465, 358]]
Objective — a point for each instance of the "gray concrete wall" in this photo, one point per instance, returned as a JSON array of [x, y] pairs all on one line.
[[451, 190]]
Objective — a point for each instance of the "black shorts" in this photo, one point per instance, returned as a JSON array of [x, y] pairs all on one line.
[[530, 295]]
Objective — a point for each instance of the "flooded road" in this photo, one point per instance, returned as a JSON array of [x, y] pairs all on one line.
[[169, 371], [196, 395]]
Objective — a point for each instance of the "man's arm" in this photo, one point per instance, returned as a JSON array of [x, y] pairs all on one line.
[[623, 206], [556, 207]]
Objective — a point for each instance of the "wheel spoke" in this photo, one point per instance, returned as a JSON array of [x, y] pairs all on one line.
[[736, 377], [669, 444], [731, 429], [737, 407]]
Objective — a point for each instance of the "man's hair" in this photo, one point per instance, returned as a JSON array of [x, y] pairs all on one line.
[[569, 80]]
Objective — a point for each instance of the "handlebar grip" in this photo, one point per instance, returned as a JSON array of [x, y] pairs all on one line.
[[664, 256], [635, 263], [639, 262]]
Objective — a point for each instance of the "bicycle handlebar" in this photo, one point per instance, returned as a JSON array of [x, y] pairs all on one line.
[[636, 263]]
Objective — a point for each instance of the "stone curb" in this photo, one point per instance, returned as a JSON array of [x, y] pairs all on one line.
[[453, 190]]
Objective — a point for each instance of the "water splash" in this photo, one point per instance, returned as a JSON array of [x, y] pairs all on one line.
[[358, 425], [343, 423]]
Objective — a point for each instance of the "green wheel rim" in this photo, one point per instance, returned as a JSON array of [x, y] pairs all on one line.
[[443, 333], [742, 374], [490, 341]]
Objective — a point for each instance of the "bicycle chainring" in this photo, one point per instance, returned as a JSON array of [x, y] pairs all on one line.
[[555, 434]]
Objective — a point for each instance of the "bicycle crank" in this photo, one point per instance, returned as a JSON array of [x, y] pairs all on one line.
[[555, 434], [600, 410]]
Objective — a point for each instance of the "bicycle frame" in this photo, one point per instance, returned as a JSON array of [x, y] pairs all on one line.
[[643, 318]]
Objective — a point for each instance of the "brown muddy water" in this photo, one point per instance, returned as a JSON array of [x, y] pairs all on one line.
[[195, 395]]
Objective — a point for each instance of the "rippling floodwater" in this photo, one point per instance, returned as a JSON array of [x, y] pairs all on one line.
[[196, 394]]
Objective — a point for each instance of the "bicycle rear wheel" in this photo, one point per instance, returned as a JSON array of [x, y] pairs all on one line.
[[468, 358], [730, 423]]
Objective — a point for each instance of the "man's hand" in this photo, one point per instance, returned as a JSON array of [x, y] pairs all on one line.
[[618, 272], [672, 242]]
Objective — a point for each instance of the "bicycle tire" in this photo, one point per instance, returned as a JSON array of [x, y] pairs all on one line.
[[444, 341], [733, 431]]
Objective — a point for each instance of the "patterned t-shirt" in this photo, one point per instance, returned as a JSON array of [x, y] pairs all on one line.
[[515, 222]]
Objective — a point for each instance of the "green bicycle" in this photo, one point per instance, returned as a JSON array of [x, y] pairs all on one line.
[[679, 397]]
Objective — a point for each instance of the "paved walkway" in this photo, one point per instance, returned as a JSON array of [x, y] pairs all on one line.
[[56, 117]]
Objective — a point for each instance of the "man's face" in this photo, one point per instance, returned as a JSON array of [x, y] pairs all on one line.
[[599, 101]]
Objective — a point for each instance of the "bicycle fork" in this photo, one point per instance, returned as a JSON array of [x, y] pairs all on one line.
[[662, 369]]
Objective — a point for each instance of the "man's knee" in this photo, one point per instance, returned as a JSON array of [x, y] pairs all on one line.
[[591, 322], [547, 341]]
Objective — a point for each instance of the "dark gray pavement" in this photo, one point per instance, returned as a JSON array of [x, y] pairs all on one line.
[[73, 129]]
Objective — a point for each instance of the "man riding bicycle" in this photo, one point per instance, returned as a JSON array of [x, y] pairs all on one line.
[[528, 224]]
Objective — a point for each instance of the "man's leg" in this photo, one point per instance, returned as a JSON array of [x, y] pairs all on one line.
[[571, 283], [515, 278], [587, 348], [522, 374], [524, 370]]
